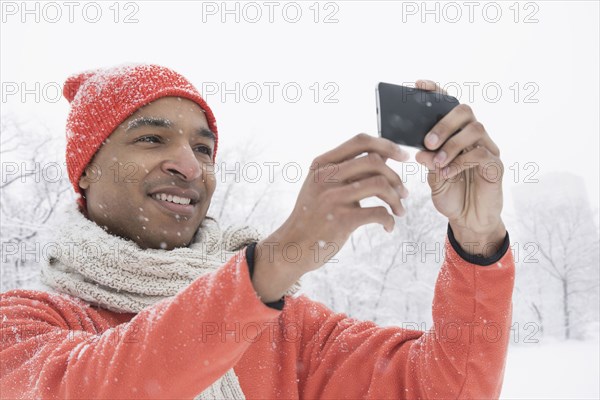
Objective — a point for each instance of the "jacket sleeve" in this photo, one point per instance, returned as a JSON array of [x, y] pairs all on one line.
[[462, 356], [173, 349]]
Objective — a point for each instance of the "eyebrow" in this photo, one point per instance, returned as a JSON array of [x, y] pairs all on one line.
[[207, 133], [164, 123], [148, 121]]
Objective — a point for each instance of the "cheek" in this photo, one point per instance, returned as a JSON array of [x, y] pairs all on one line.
[[113, 183], [211, 183], [123, 174], [127, 172], [102, 197]]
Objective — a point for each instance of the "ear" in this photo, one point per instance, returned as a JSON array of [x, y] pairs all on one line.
[[84, 182]]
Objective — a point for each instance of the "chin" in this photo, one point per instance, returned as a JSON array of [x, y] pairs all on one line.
[[165, 244]]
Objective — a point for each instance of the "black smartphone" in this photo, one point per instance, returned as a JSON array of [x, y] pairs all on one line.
[[405, 115]]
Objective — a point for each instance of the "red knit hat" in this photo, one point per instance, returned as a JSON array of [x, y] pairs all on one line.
[[102, 99]]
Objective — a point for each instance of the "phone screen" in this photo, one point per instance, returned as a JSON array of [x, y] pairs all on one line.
[[405, 115]]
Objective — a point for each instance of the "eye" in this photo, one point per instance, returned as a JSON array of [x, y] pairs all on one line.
[[203, 149], [149, 139]]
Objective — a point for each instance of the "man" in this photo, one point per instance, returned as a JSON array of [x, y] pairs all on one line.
[[153, 313]]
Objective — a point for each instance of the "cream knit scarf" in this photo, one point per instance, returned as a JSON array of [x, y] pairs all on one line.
[[116, 274]]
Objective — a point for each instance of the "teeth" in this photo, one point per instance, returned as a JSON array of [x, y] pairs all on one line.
[[171, 198]]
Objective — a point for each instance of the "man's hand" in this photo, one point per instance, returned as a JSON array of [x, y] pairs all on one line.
[[465, 176], [327, 211]]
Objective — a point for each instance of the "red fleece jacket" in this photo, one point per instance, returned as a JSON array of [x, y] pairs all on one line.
[[57, 346]]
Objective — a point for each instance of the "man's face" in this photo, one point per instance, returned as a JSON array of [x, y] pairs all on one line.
[[151, 181]]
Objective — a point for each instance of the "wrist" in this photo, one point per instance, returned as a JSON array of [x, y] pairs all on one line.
[[272, 275], [483, 242]]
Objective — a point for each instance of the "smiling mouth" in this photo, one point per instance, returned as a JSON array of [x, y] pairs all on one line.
[[175, 204], [172, 199]]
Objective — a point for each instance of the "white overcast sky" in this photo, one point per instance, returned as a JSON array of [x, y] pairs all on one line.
[[552, 59]]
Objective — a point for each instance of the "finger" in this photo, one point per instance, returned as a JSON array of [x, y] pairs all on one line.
[[370, 165], [362, 143], [368, 215], [374, 186], [429, 85], [473, 134], [490, 166], [455, 120], [425, 158]]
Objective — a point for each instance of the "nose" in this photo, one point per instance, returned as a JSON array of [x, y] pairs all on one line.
[[182, 162]]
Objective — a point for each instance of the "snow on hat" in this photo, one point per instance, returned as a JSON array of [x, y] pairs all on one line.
[[102, 99]]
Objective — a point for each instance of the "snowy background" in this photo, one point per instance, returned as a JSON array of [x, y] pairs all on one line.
[[291, 80]]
